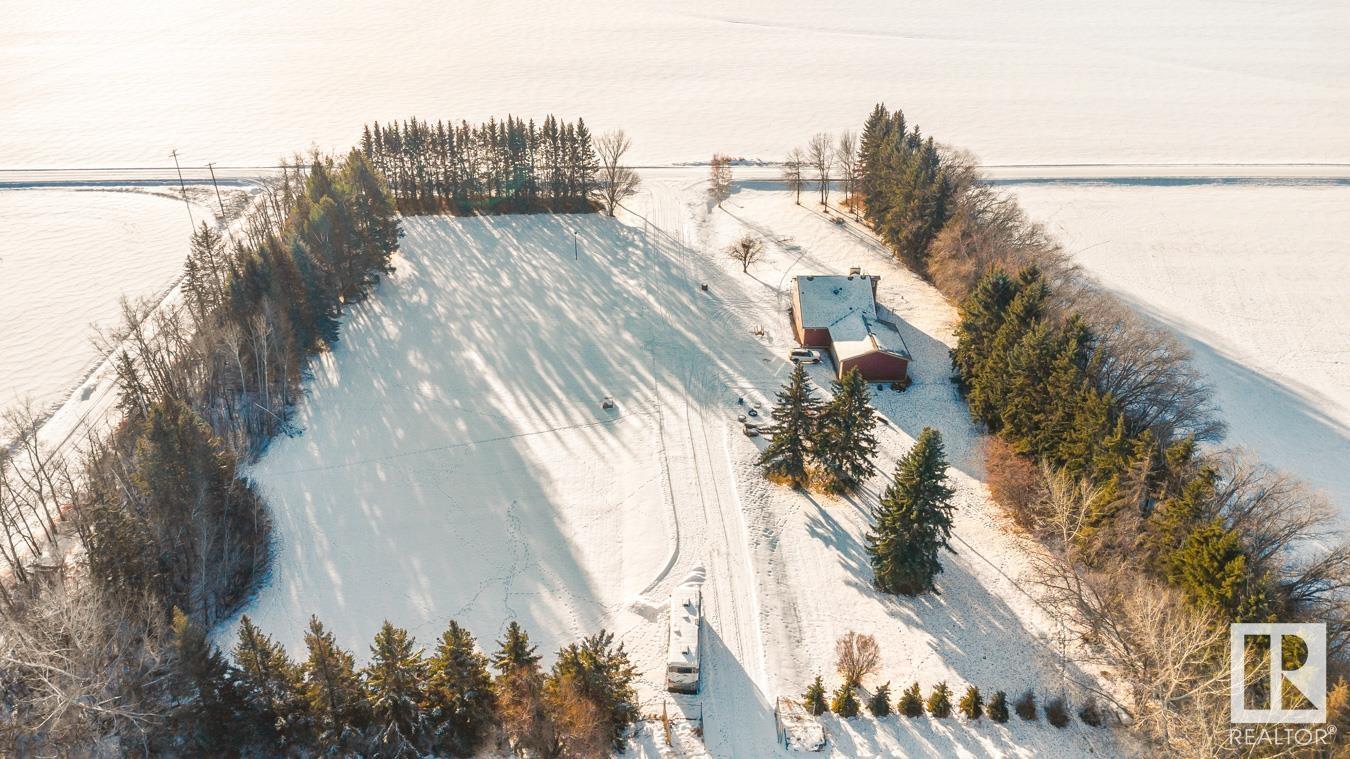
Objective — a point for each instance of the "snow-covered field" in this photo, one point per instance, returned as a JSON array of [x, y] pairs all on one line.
[[1047, 81], [1255, 279], [456, 462], [66, 259]]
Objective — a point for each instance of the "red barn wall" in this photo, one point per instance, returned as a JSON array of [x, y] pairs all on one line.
[[877, 367]]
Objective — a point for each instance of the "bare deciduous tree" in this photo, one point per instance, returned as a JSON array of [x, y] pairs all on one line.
[[794, 173], [821, 155], [846, 153], [856, 656], [746, 251], [719, 178], [616, 180]]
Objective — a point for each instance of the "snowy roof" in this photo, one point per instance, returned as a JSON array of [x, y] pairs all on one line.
[[686, 609], [856, 335], [826, 298]]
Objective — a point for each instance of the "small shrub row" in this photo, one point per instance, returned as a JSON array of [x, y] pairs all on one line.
[[844, 702]]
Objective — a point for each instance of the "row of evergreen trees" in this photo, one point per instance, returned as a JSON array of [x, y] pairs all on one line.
[[403, 703], [844, 702], [906, 189], [1026, 375], [507, 166]]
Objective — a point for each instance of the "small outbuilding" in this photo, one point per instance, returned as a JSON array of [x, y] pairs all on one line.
[[839, 313]]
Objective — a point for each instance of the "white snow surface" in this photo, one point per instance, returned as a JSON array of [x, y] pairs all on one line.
[[455, 462], [1254, 279], [243, 82], [66, 259]]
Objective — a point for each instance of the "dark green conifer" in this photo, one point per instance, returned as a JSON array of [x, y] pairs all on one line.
[[913, 521], [814, 697], [845, 444], [794, 427], [911, 701], [459, 693], [940, 701]]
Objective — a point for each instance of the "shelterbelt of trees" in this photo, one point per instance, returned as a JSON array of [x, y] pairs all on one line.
[[165, 524], [1104, 445], [506, 166]]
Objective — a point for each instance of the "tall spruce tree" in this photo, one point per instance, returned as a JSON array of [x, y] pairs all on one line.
[[913, 521], [394, 680], [332, 689], [794, 427], [845, 444], [459, 694], [270, 683], [519, 691]]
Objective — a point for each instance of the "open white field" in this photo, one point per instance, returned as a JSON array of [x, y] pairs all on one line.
[[1048, 81], [455, 462], [1255, 278], [66, 259]]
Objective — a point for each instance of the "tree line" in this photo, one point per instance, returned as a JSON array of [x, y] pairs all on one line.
[[1153, 540], [404, 703], [499, 166], [158, 507]]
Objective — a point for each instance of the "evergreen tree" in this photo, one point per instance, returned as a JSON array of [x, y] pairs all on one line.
[[998, 707], [794, 426], [911, 701], [207, 702], [940, 701], [880, 701], [203, 518], [844, 702], [814, 697], [515, 650], [519, 693], [270, 684], [913, 521], [599, 672], [845, 443], [394, 681], [972, 704], [332, 689], [459, 693], [981, 314], [1210, 567]]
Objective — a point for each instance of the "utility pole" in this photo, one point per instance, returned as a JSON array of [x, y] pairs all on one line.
[[182, 187], [212, 167], [576, 249]]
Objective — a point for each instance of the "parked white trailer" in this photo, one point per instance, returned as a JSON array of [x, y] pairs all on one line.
[[686, 625]]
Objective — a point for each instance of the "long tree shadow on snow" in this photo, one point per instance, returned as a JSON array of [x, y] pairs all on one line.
[[491, 348]]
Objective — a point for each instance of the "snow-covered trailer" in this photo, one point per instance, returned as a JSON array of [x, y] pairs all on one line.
[[686, 623], [797, 729]]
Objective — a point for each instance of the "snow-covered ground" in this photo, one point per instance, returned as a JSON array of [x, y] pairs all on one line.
[[1255, 279], [455, 462], [1047, 81], [66, 260]]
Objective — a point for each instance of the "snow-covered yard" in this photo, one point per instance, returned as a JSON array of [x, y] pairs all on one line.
[[1254, 279], [456, 462]]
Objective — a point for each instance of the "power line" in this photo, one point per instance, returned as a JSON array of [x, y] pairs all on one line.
[[183, 187]]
